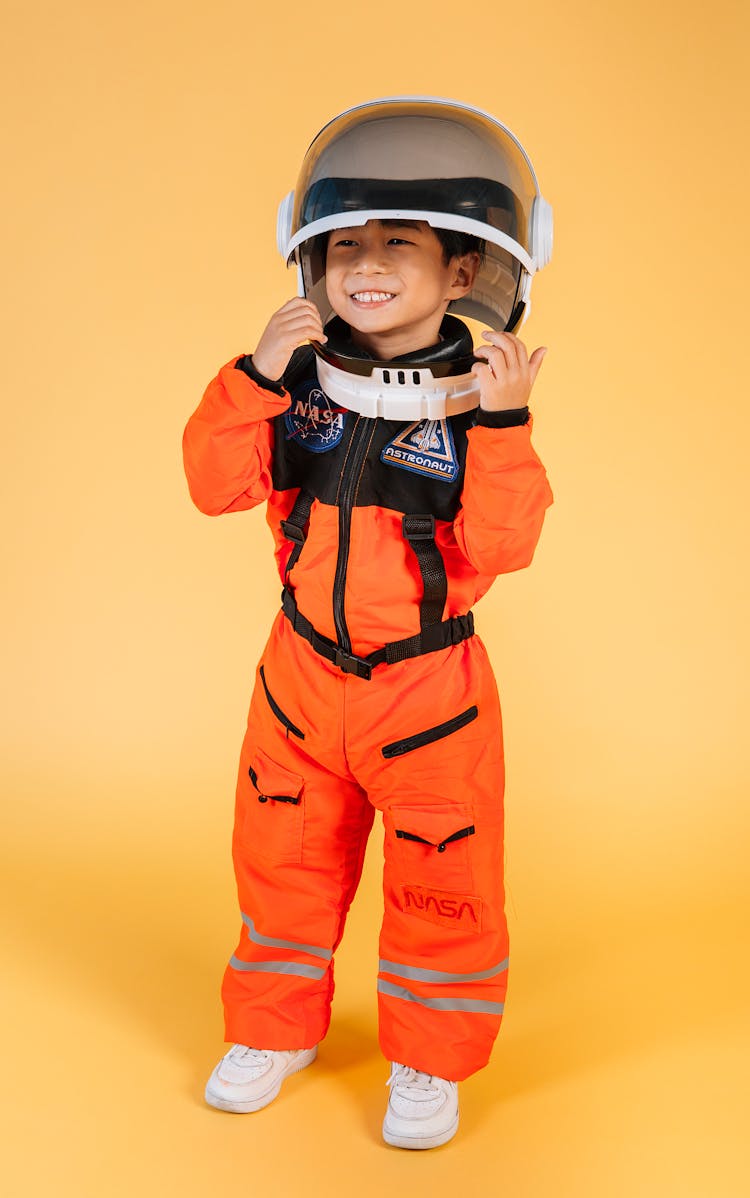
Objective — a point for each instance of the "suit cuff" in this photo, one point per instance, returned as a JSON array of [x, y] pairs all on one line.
[[510, 418], [245, 364]]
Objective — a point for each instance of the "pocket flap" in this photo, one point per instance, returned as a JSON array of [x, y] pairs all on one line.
[[433, 824], [273, 781]]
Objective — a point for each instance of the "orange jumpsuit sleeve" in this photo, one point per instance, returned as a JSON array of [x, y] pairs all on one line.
[[228, 443], [503, 502]]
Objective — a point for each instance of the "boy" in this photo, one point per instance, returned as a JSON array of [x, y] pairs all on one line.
[[393, 504]]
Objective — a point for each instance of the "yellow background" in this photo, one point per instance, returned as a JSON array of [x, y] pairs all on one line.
[[147, 148]]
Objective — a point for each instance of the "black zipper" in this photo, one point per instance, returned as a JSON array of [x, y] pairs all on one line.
[[280, 715], [350, 477], [398, 747], [440, 846]]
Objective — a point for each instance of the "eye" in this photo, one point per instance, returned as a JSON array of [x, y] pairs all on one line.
[[343, 241], [399, 241]]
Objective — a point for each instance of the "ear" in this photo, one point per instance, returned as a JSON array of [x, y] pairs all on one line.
[[464, 272]]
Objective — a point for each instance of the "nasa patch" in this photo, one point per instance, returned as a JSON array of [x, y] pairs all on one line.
[[426, 447], [312, 420]]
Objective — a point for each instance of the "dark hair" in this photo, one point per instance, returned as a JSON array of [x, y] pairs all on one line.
[[456, 244]]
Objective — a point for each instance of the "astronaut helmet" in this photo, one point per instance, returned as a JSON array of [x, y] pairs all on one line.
[[427, 159]]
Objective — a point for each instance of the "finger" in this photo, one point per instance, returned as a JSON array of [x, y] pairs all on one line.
[[297, 305], [535, 362], [507, 345], [294, 319], [485, 352], [483, 375], [301, 326], [483, 369], [292, 325], [506, 336], [303, 335], [497, 361], [505, 340]]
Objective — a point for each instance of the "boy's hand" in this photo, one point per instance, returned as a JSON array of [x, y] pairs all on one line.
[[297, 322], [505, 381]]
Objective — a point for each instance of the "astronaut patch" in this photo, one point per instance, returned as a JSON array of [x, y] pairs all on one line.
[[313, 420], [426, 447]]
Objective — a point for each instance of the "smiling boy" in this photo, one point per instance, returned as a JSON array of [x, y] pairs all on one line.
[[373, 693]]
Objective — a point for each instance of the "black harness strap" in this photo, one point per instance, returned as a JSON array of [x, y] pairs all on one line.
[[419, 531], [437, 636], [293, 527]]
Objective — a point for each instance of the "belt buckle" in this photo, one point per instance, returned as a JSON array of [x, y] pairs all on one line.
[[349, 664]]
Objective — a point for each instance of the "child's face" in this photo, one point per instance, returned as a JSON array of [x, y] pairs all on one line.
[[390, 283]]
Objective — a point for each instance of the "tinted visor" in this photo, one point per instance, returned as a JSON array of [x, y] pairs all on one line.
[[483, 200]]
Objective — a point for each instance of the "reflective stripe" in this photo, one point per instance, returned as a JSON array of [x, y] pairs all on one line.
[[441, 1004], [436, 975], [303, 971], [272, 942]]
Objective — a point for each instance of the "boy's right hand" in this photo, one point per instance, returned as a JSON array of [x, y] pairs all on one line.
[[297, 322]]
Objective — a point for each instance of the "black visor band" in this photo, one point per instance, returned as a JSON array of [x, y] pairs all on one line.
[[483, 200]]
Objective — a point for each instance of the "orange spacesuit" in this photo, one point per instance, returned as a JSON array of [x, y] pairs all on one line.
[[372, 693]]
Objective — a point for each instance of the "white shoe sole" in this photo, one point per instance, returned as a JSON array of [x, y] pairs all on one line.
[[244, 1107], [416, 1142]]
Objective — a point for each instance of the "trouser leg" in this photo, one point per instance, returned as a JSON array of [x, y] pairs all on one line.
[[444, 943], [301, 827]]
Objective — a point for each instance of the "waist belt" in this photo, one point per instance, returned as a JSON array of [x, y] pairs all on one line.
[[429, 640]]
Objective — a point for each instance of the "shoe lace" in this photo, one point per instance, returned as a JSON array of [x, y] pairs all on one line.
[[256, 1056], [404, 1075]]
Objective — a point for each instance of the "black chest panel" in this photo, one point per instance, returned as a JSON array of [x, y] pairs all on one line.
[[411, 468]]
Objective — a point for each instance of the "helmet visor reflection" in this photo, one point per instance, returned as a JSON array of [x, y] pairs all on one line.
[[478, 199]]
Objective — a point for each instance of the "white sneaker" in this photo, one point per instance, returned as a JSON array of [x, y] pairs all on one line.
[[422, 1110], [247, 1079]]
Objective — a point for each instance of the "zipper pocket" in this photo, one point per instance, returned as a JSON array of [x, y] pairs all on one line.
[[284, 719], [263, 798], [460, 835], [398, 747]]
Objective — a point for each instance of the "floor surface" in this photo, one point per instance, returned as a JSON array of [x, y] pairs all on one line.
[[618, 1070]]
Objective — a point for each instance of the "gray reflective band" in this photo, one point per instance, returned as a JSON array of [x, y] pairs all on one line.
[[436, 976], [442, 1004], [303, 971], [272, 942]]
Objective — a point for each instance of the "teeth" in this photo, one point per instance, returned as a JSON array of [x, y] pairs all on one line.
[[372, 297]]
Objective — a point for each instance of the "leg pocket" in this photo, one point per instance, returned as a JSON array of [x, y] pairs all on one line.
[[431, 843], [272, 815]]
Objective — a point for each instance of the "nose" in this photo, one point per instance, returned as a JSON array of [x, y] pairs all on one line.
[[370, 258]]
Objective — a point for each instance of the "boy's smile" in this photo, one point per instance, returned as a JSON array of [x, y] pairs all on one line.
[[391, 284], [372, 299]]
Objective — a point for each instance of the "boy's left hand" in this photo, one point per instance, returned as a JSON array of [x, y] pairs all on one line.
[[508, 374]]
